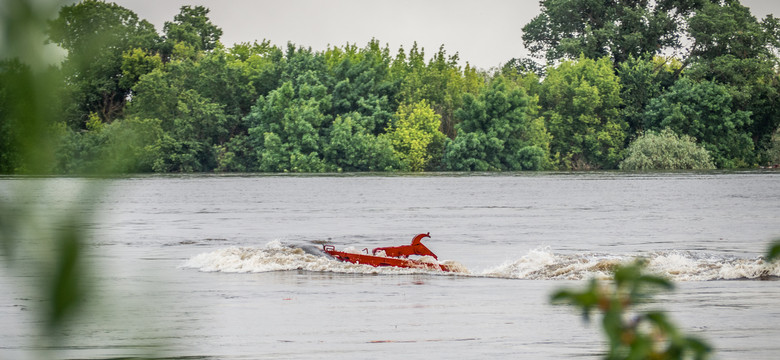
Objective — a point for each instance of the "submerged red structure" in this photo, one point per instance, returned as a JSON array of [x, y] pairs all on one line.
[[397, 256]]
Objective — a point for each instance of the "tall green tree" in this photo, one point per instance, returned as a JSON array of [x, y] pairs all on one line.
[[726, 27], [582, 102], [96, 35], [641, 80], [286, 127], [363, 84], [732, 48], [497, 133], [440, 81], [704, 110], [617, 29], [191, 26], [30, 103], [416, 138], [262, 63]]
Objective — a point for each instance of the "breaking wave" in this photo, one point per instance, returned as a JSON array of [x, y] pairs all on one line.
[[543, 264], [277, 257], [537, 264]]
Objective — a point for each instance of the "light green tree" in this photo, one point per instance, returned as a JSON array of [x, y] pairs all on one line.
[[415, 136], [135, 63]]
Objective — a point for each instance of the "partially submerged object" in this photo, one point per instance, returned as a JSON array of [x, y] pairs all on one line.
[[397, 256]]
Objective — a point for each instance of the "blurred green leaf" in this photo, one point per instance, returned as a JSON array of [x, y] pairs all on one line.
[[633, 335], [68, 278], [774, 252]]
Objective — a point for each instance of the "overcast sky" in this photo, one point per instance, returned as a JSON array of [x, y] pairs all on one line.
[[485, 33]]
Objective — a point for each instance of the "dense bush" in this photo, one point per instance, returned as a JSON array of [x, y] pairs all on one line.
[[665, 150]]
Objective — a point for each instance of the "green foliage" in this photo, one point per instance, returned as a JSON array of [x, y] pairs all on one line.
[[285, 127], [135, 63], [497, 132], [665, 151], [727, 27], [262, 64], [583, 102], [733, 49], [155, 96], [703, 110], [258, 107], [440, 82], [234, 155], [774, 251], [29, 101], [352, 148], [38, 241], [124, 146], [192, 27], [646, 334], [596, 29], [363, 84], [773, 152], [641, 80], [11, 72], [416, 138], [96, 35]]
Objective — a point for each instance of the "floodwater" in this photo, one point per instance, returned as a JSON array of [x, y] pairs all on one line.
[[229, 267]]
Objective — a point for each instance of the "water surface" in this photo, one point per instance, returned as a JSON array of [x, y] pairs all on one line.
[[227, 267]]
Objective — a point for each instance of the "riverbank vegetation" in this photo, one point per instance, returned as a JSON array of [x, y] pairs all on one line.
[[127, 99]]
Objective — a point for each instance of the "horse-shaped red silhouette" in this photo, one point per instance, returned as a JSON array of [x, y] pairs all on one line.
[[416, 248]]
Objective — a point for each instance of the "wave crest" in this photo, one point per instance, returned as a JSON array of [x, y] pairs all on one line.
[[277, 257], [543, 264], [538, 264]]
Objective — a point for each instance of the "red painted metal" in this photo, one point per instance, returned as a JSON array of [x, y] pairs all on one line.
[[395, 256], [416, 248]]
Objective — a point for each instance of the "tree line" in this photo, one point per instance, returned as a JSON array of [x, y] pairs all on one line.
[[611, 84]]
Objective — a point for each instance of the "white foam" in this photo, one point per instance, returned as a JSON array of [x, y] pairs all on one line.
[[537, 264], [543, 264], [277, 257]]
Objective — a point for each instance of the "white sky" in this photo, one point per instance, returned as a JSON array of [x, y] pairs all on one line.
[[485, 33]]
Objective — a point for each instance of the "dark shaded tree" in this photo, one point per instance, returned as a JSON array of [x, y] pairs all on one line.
[[96, 35], [191, 26], [618, 29], [732, 48], [705, 111]]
